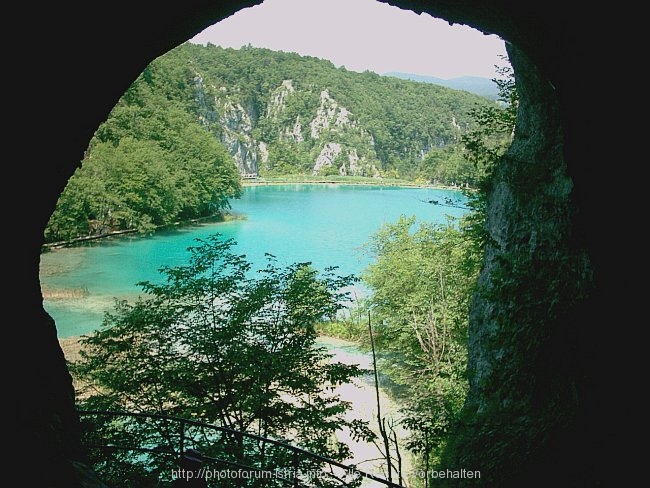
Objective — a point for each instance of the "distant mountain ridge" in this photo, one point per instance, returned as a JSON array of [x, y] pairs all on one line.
[[473, 84]]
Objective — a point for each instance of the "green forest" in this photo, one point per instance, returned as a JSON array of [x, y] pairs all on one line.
[[215, 344], [199, 118]]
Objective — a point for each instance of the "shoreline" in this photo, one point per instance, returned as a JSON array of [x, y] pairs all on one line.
[[360, 393], [305, 180], [248, 183], [71, 346], [224, 217]]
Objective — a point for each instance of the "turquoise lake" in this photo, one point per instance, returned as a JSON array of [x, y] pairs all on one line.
[[325, 224]]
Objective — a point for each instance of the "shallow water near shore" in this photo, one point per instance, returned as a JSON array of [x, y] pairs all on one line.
[[327, 225]]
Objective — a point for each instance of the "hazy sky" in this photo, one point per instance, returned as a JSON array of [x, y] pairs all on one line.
[[362, 35]]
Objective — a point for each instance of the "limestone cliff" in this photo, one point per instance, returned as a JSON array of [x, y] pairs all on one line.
[[331, 139], [279, 113]]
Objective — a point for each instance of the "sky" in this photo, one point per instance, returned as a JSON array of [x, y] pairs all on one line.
[[362, 35]]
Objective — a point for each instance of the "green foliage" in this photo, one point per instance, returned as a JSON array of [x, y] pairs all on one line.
[[219, 342], [393, 122], [350, 328], [150, 164], [484, 146], [421, 284], [447, 166], [328, 170], [495, 128], [171, 126], [286, 157]]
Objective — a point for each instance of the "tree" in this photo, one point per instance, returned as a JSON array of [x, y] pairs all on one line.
[[217, 342], [485, 144], [421, 283], [149, 164]]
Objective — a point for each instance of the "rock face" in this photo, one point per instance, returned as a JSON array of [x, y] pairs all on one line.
[[522, 362], [545, 407], [235, 125], [320, 136]]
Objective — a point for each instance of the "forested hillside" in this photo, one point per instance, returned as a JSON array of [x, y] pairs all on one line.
[[199, 117], [283, 113]]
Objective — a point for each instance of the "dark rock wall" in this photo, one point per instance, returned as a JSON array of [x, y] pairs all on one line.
[[523, 360], [539, 362]]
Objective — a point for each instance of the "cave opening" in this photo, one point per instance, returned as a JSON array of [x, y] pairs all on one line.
[[547, 72]]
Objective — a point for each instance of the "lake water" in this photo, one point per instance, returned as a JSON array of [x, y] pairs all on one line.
[[327, 225]]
